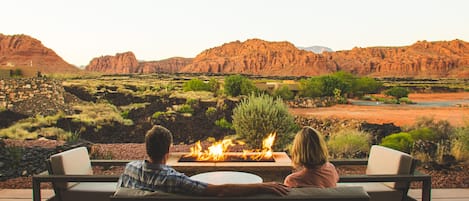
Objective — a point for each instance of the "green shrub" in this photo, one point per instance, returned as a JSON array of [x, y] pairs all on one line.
[[125, 114], [284, 92], [157, 114], [213, 85], [460, 149], [399, 141], [236, 85], [348, 143], [259, 115], [186, 109], [397, 92], [223, 123], [405, 100], [196, 85], [210, 112]]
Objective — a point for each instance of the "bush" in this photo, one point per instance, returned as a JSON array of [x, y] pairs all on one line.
[[157, 114], [284, 92], [460, 149], [236, 85], [196, 85], [186, 109], [210, 112], [399, 141], [349, 143], [223, 123], [259, 115], [397, 92]]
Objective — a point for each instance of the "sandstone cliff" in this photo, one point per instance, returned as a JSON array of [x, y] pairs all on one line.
[[29, 54], [258, 57], [120, 63], [171, 65]]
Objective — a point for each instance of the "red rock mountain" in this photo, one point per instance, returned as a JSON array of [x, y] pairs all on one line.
[[258, 57], [123, 63], [30, 55], [170, 65], [120, 63]]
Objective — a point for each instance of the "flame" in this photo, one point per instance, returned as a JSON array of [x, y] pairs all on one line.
[[217, 151]]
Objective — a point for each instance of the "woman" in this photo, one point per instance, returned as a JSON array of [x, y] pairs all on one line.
[[310, 158]]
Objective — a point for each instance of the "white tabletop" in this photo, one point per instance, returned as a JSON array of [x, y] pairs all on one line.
[[227, 177]]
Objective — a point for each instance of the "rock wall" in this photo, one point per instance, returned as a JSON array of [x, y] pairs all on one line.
[[171, 65], [32, 95]]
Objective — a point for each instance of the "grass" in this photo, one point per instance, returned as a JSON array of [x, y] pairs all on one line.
[[27, 128], [99, 114]]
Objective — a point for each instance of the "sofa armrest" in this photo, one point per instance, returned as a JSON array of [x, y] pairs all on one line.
[[416, 177], [109, 162], [38, 179]]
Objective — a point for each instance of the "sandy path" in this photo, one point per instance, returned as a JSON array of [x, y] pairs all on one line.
[[398, 114]]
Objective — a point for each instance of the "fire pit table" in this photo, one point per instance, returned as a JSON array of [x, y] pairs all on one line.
[[275, 170], [227, 177]]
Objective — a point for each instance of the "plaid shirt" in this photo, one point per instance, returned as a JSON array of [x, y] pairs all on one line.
[[156, 177]]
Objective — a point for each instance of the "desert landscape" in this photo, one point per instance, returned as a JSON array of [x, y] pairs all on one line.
[[402, 115]]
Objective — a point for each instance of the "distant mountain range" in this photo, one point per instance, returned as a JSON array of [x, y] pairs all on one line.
[[440, 59]]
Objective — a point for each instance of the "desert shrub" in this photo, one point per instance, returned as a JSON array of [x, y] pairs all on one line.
[[213, 85], [397, 92], [185, 108], [157, 114], [99, 153], [399, 141], [460, 149], [442, 128], [284, 92], [59, 133], [366, 85], [196, 85], [210, 112], [259, 115], [349, 143], [311, 87], [236, 85], [223, 123], [405, 100], [191, 101]]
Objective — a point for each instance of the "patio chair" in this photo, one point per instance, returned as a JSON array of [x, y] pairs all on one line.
[[388, 175], [72, 178]]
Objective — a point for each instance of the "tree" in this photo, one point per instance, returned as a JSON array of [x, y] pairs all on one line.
[[236, 85], [397, 92]]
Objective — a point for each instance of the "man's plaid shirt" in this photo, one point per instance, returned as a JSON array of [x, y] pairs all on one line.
[[157, 177]]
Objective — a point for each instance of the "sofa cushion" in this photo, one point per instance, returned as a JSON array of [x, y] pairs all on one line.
[[89, 191], [385, 160], [72, 162], [377, 191], [340, 193]]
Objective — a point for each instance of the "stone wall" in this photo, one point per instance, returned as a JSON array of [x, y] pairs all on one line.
[[15, 91]]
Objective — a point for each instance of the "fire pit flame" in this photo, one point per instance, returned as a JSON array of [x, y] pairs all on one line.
[[217, 151]]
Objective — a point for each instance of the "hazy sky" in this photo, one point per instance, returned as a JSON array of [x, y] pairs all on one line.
[[79, 30]]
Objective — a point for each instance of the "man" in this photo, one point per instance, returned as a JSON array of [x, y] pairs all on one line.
[[155, 175]]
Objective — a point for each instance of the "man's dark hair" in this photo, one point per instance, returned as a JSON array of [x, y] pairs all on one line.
[[157, 141]]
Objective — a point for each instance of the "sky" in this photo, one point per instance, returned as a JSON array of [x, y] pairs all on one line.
[[79, 30]]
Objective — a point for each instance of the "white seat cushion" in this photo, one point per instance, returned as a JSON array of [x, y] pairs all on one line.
[[72, 162], [387, 161]]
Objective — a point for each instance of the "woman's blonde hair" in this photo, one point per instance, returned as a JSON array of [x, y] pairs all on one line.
[[309, 149]]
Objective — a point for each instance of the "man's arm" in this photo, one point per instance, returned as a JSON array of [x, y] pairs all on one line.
[[245, 189]]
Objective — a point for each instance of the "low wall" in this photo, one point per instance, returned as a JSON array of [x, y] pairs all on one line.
[[15, 91]]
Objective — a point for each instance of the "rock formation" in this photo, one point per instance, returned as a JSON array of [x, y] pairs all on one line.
[[29, 55], [258, 57], [121, 63], [171, 65]]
